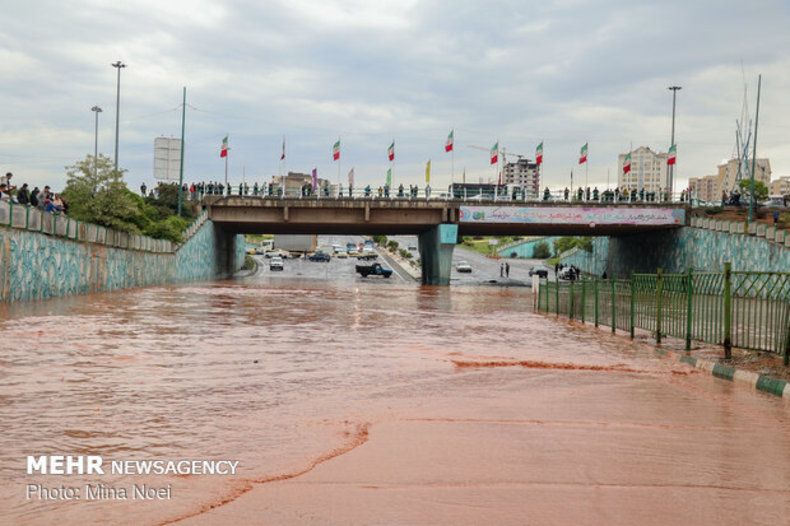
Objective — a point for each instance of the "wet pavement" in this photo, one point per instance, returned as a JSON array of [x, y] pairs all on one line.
[[350, 400]]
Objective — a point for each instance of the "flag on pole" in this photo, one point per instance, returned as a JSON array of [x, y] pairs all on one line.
[[539, 153], [671, 157], [448, 146], [351, 178], [583, 154], [282, 157], [315, 179], [336, 151], [428, 172], [389, 177], [495, 153], [224, 151], [391, 151], [627, 163]]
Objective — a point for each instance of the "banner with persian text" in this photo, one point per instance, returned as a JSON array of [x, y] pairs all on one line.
[[572, 215]]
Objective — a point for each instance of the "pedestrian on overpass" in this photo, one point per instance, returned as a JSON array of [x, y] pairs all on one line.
[[507, 269]]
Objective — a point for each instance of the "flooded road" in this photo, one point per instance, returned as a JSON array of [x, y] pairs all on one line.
[[298, 378]]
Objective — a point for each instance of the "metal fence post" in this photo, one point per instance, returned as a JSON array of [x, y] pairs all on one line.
[[727, 313], [689, 303], [570, 300], [614, 306], [584, 298], [632, 304], [658, 306], [556, 292], [595, 289]]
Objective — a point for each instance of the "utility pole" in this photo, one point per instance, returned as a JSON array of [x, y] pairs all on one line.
[[96, 110], [181, 168], [670, 179], [118, 65]]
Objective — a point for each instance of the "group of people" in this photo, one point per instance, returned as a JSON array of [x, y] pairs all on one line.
[[196, 191], [569, 272], [618, 194], [504, 270], [44, 200]]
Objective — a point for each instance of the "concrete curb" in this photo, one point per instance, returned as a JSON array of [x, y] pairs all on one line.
[[766, 384], [405, 266]]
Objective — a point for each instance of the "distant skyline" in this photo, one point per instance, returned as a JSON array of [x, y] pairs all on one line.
[[563, 73]]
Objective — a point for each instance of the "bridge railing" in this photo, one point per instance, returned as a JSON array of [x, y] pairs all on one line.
[[749, 310], [502, 193]]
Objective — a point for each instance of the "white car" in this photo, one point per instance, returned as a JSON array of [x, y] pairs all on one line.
[[463, 266], [276, 263]]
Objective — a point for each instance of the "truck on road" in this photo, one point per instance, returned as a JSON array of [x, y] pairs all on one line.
[[374, 270], [295, 242]]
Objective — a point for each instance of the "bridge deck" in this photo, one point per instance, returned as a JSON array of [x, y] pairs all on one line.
[[414, 216]]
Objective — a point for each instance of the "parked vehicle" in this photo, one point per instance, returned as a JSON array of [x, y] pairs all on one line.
[[319, 256], [569, 273], [463, 266], [374, 270], [412, 248], [276, 263], [295, 242], [541, 272], [341, 254]]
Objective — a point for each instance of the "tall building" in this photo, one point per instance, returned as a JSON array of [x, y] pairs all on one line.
[[780, 186], [525, 174], [729, 173], [705, 188], [648, 170]]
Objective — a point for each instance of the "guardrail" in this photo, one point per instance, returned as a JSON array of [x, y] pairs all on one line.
[[749, 310], [504, 193], [25, 217]]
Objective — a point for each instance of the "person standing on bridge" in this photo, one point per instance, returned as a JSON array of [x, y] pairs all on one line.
[[507, 269]]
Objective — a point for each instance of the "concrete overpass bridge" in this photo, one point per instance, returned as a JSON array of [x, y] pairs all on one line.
[[438, 223]]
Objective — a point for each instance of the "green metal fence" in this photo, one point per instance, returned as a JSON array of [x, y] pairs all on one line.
[[750, 310]]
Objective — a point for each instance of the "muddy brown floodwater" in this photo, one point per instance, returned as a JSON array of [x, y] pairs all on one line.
[[355, 403]]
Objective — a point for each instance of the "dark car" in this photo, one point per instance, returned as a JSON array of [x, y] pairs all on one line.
[[318, 256], [539, 271]]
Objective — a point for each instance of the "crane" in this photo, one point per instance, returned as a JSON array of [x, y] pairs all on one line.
[[503, 151]]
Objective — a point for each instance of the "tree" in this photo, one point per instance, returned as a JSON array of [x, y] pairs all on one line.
[[760, 190], [541, 250], [96, 193]]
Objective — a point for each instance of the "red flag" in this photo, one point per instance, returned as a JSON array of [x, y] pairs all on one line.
[[224, 151], [448, 145]]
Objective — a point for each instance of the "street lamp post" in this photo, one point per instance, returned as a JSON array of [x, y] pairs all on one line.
[[118, 65], [96, 110], [671, 174]]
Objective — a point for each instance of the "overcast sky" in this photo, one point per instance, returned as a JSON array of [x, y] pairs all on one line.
[[564, 72]]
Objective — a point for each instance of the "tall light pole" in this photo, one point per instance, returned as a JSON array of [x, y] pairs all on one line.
[[96, 110], [672, 142], [118, 65]]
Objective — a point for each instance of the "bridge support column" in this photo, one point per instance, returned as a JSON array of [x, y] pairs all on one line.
[[436, 254]]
